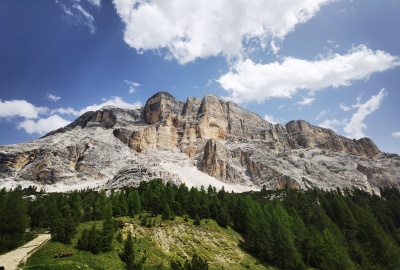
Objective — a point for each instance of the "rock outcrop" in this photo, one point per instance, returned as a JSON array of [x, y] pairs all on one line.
[[172, 139], [308, 136]]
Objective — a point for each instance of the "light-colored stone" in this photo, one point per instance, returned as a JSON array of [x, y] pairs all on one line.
[[123, 147]]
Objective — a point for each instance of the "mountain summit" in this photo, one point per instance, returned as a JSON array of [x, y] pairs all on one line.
[[197, 142]]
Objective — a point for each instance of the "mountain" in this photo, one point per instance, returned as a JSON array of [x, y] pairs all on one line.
[[198, 142]]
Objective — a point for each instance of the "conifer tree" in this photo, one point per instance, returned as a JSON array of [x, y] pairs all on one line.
[[134, 203], [196, 263], [222, 217], [75, 203], [83, 241], [100, 206], [176, 265], [94, 240], [65, 227], [108, 230], [14, 220], [90, 240], [284, 252], [167, 213], [197, 220], [88, 198], [129, 255], [119, 204]]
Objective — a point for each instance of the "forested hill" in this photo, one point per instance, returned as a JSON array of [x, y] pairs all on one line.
[[287, 229]]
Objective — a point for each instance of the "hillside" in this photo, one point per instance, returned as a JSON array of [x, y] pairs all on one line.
[[287, 229], [165, 241]]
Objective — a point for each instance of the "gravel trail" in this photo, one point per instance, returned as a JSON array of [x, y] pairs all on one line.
[[11, 259]]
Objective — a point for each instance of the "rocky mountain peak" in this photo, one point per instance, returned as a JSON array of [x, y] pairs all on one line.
[[159, 106], [309, 136], [209, 139]]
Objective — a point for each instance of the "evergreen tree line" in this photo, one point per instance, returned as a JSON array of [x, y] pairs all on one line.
[[290, 229], [96, 240], [13, 219]]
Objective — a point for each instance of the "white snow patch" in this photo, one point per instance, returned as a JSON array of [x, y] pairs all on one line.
[[192, 177]]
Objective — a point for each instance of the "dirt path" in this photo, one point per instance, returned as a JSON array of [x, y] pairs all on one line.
[[11, 259]]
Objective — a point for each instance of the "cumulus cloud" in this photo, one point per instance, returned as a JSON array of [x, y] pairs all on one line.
[[53, 97], [355, 127], [249, 81], [43, 125], [20, 108], [198, 29], [271, 119], [396, 134], [36, 120]]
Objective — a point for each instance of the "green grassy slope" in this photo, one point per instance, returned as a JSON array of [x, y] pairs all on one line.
[[166, 240]]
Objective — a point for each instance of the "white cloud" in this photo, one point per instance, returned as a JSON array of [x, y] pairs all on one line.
[[198, 29], [396, 134], [355, 127], [322, 114], [66, 10], [306, 101], [96, 3], [132, 86], [114, 101], [52, 97], [332, 124], [20, 108], [248, 81], [332, 43], [348, 108], [351, 107], [68, 111], [78, 15], [85, 18], [43, 125], [271, 119]]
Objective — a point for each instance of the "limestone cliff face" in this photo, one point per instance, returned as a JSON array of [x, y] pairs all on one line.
[[308, 136], [172, 123], [168, 138], [159, 106]]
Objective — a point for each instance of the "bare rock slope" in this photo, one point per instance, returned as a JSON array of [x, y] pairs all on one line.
[[199, 142]]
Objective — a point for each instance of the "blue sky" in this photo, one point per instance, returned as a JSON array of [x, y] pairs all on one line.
[[332, 63]]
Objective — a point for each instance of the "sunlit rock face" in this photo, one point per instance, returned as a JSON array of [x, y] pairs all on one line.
[[198, 142]]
